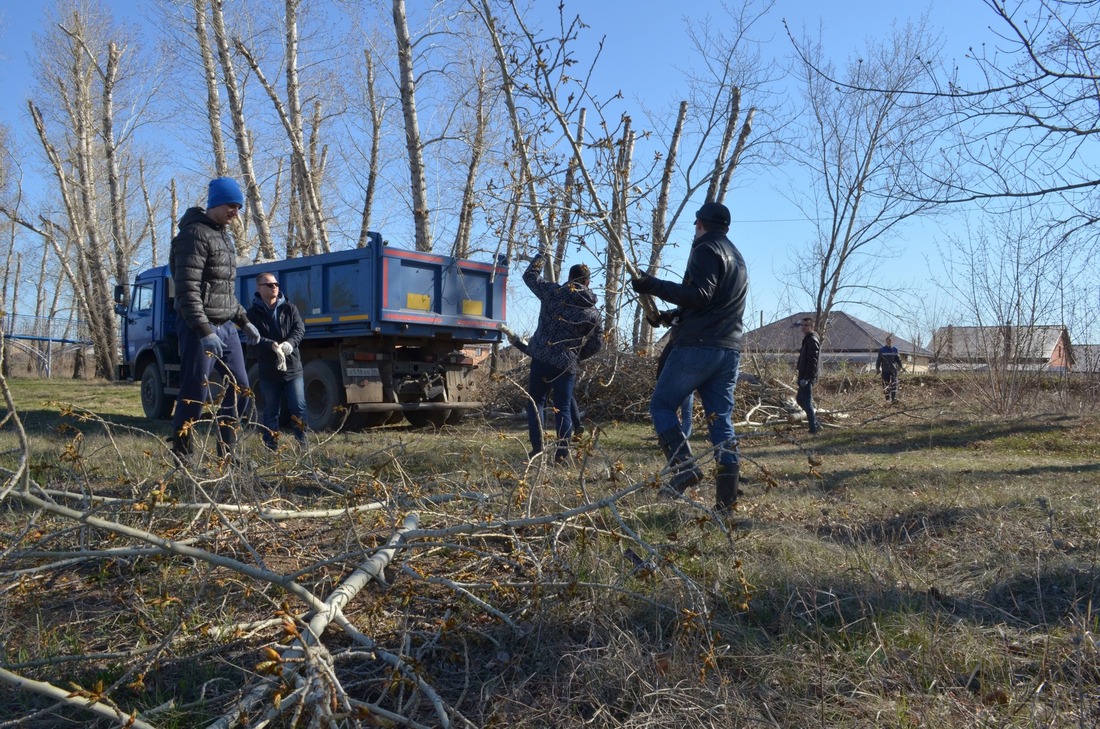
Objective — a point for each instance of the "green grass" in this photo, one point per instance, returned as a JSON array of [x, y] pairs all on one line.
[[917, 570]]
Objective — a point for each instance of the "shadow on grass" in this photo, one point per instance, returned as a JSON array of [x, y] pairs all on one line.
[[55, 423], [1009, 436]]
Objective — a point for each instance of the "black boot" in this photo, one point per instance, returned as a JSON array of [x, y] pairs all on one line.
[[678, 452], [727, 479], [181, 446]]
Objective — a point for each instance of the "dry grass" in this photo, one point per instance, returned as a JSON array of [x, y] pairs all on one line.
[[917, 566]]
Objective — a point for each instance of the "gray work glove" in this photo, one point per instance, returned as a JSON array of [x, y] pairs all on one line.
[[212, 345], [251, 333]]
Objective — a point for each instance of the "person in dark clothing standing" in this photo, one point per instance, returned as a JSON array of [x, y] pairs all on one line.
[[203, 266], [569, 331], [574, 407], [705, 354], [808, 364], [280, 372], [888, 365]]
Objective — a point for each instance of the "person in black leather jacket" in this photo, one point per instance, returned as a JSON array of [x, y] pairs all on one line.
[[203, 266], [706, 353], [809, 356], [280, 363]]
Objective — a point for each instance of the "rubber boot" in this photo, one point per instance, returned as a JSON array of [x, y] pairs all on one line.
[[727, 490], [181, 446], [678, 451]]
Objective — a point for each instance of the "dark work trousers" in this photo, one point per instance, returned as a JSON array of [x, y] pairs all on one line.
[[805, 400], [198, 370], [546, 379], [890, 386]]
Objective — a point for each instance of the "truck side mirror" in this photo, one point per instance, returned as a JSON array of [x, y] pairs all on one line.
[[120, 309], [120, 294]]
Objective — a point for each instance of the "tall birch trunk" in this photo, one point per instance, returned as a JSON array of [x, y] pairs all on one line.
[[413, 145], [242, 137], [213, 100]]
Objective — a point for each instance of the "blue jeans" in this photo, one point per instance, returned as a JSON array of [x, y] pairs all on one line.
[[546, 379], [805, 400], [710, 371], [273, 391], [689, 402], [197, 371]]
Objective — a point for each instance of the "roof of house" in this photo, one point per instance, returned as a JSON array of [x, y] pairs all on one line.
[[844, 333], [1034, 342], [1086, 358]]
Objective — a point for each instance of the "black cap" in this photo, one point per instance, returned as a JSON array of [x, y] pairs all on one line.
[[713, 212]]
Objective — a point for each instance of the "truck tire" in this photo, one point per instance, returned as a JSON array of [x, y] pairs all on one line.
[[324, 394], [156, 404], [424, 418]]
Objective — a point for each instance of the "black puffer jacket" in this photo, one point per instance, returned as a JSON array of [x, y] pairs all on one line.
[[203, 265], [281, 324], [711, 300], [569, 328]]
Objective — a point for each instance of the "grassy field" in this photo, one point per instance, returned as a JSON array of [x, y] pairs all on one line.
[[913, 567]]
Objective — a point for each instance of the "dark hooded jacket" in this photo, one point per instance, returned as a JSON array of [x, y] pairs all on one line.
[[711, 300], [203, 265], [281, 323], [569, 328]]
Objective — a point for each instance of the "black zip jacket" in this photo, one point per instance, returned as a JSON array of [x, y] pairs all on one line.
[[281, 324], [808, 357]]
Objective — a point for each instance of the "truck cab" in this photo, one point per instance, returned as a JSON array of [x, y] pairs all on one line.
[[150, 347]]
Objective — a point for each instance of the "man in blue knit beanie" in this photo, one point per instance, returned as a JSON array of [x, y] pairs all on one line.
[[203, 264]]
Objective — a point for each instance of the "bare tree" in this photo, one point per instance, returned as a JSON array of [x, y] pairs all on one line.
[[242, 136], [376, 110], [1006, 285], [413, 143], [863, 153]]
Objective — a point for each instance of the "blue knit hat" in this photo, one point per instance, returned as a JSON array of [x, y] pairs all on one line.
[[223, 191]]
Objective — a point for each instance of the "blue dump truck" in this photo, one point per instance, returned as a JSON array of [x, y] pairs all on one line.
[[389, 333]]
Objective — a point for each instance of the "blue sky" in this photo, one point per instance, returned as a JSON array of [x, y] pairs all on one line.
[[644, 48]]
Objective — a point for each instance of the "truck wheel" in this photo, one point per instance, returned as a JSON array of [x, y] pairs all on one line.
[[154, 402], [456, 416], [324, 393], [423, 418]]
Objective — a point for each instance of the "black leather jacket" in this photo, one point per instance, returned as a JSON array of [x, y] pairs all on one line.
[[203, 265], [711, 300]]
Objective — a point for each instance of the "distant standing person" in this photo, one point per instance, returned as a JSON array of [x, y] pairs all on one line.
[[888, 365], [203, 265], [705, 354], [809, 357], [281, 327], [569, 331]]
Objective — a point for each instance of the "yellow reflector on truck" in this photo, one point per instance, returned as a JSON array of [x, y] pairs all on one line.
[[472, 307], [418, 301]]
